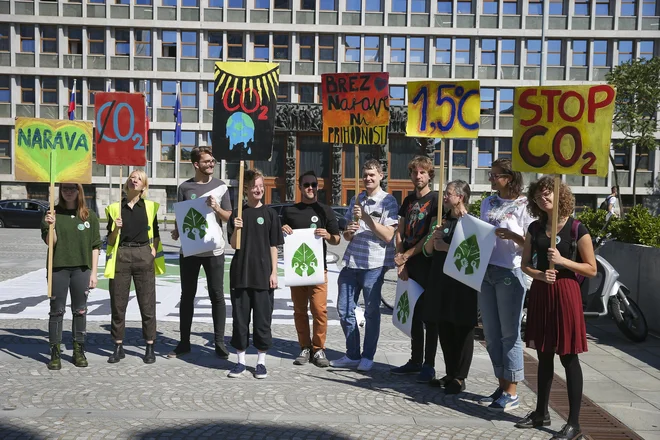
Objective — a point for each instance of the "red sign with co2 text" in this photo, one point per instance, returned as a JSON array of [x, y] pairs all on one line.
[[120, 128]]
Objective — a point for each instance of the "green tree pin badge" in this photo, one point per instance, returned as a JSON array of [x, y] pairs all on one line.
[[304, 261], [403, 308], [467, 255], [195, 225]]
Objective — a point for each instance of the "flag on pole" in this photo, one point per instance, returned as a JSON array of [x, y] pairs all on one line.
[[177, 116], [72, 103]]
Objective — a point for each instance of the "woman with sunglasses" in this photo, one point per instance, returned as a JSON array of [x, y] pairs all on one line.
[[503, 288], [555, 321], [450, 304], [76, 245]]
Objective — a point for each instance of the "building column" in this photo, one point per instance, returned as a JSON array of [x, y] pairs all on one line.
[[290, 178], [336, 173]]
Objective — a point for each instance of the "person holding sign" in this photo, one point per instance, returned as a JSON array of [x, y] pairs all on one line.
[[417, 213], [76, 241], [134, 252], [253, 273], [372, 221], [309, 213], [503, 288], [450, 305], [555, 320], [204, 185]]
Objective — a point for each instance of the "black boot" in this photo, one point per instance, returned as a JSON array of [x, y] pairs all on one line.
[[533, 420], [149, 355], [55, 360], [568, 432], [117, 355], [79, 359]]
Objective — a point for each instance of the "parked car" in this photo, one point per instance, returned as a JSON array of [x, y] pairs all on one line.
[[22, 213], [340, 211]]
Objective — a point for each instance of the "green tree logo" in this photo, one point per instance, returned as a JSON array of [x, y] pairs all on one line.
[[304, 261], [468, 256], [403, 308], [195, 225]]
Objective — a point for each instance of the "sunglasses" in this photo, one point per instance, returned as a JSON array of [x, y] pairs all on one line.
[[69, 188], [308, 184]]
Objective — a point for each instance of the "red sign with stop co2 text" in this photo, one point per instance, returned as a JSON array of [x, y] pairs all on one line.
[[120, 128]]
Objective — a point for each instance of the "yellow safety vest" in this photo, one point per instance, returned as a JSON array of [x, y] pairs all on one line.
[[114, 211]]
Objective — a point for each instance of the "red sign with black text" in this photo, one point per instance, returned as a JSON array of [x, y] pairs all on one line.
[[120, 128]]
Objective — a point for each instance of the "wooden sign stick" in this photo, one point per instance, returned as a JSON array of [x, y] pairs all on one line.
[[555, 216], [121, 177], [357, 172], [241, 169], [51, 228], [440, 171]]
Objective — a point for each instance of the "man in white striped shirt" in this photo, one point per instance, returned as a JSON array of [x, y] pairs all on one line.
[[370, 253]]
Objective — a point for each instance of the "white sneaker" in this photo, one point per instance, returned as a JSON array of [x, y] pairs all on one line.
[[365, 364], [344, 362]]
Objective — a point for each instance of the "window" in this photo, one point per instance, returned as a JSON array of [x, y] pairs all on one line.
[[215, 45], [463, 51], [306, 93], [327, 47], [417, 49], [48, 90], [189, 44], [167, 151], [78, 82], [646, 49], [190, 3], [600, 54], [397, 94], [4, 38], [281, 4], [460, 153], [352, 47], [122, 85], [4, 142], [628, 8], [603, 7], [122, 42], [306, 43], [210, 89], [399, 5], [444, 7], [442, 50], [506, 102], [168, 94], [215, 3], [263, 4], [372, 49], [509, 51], [535, 7], [236, 4], [464, 7], [625, 51], [75, 40], [556, 7], [235, 46], [188, 94], [94, 85], [328, 5], [554, 53], [284, 92], [642, 161], [374, 6], [188, 142], [418, 6], [510, 7], [27, 38], [260, 47], [581, 7], [621, 156], [169, 3], [486, 146], [487, 101], [504, 148], [5, 93], [27, 89], [649, 8], [397, 49], [488, 52], [308, 5], [142, 42], [353, 5], [490, 7], [579, 53], [281, 46], [96, 39], [169, 44], [48, 39], [533, 52]]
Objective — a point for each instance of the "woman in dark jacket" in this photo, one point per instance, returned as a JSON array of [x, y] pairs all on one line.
[[450, 304]]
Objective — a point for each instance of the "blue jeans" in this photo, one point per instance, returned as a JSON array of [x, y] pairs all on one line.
[[501, 303], [351, 282]]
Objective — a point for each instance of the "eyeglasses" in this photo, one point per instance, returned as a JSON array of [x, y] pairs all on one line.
[[540, 197], [208, 162], [492, 176], [69, 188], [308, 184], [448, 194]]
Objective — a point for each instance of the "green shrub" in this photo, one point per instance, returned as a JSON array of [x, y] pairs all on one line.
[[594, 220], [474, 208], [639, 226]]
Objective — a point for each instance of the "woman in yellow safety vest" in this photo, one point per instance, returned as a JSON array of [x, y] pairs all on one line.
[[134, 252]]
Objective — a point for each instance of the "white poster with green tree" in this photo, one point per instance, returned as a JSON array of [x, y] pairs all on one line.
[[407, 294], [470, 250], [303, 259], [199, 230]]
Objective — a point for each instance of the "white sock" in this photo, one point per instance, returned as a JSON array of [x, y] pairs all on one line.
[[261, 358], [241, 357]]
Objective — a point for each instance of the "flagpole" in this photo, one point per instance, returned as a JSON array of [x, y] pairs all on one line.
[[177, 129]]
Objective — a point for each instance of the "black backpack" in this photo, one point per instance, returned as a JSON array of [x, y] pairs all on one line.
[[605, 206]]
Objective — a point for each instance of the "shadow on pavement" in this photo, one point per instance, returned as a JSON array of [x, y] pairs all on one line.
[[9, 432], [242, 430], [606, 334]]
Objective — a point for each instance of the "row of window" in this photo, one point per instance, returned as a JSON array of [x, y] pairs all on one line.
[[323, 47]]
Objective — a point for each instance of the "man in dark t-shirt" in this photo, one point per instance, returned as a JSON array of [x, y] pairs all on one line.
[[416, 216], [253, 273], [311, 214]]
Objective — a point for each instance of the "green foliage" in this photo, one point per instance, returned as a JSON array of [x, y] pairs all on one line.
[[639, 226], [403, 308], [304, 261], [594, 220], [467, 255], [475, 207], [195, 225]]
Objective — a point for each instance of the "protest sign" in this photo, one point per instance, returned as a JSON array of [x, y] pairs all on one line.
[[469, 251], [563, 130], [407, 294], [120, 128], [69, 141], [356, 108], [244, 102], [199, 230], [304, 263], [442, 109]]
